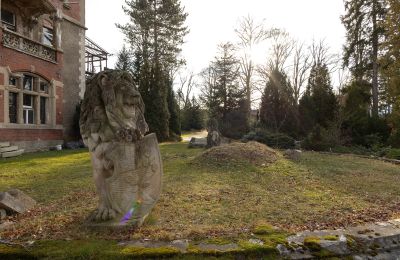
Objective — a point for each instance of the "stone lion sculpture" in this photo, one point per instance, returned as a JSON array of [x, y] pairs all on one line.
[[126, 162]]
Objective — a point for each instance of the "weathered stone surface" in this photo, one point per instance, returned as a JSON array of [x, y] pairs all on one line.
[[181, 245], [126, 162], [3, 214], [13, 153], [8, 149], [16, 201], [294, 155], [371, 241], [4, 144], [214, 136], [256, 241], [198, 142], [215, 247]]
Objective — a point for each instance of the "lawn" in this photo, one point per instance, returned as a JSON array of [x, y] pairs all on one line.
[[205, 200]]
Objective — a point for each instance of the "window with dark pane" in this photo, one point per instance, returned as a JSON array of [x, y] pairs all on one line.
[[13, 107], [44, 87], [28, 82], [12, 81], [28, 109], [43, 110], [8, 19]]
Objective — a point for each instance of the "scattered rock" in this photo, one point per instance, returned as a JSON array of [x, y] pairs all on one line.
[[198, 142], [74, 145], [256, 242], [291, 154], [251, 152], [16, 201], [182, 245]]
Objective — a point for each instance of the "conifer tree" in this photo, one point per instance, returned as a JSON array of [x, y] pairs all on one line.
[[318, 105], [364, 33], [222, 93], [391, 70], [155, 33], [124, 61], [277, 111]]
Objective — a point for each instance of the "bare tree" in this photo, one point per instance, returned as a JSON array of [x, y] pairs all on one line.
[[300, 70], [321, 54], [250, 33], [208, 90], [187, 84], [281, 50]]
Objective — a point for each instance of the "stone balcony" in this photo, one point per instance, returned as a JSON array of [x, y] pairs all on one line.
[[28, 46]]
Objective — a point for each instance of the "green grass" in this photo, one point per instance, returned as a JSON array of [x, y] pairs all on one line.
[[206, 201]]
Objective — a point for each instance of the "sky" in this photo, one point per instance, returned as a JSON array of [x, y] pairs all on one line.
[[213, 21]]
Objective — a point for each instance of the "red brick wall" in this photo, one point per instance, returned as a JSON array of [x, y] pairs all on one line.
[[18, 61], [29, 135]]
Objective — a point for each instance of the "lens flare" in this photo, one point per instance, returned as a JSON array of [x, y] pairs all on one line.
[[130, 212]]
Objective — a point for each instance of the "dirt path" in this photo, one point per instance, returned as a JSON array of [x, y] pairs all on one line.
[[187, 136]]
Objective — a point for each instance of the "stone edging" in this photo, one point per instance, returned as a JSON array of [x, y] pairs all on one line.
[[379, 240], [394, 161]]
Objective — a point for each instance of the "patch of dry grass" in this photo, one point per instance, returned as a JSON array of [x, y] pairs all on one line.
[[208, 200], [251, 152]]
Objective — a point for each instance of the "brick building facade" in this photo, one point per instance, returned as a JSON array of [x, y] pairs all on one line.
[[42, 70]]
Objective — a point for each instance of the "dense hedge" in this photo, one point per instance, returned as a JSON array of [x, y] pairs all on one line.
[[276, 140]]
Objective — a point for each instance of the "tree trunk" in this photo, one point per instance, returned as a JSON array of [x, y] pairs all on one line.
[[375, 42]]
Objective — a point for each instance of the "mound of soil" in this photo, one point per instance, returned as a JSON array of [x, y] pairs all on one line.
[[252, 152]]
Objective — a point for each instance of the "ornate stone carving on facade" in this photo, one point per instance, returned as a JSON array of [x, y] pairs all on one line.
[[127, 165], [214, 136], [20, 43]]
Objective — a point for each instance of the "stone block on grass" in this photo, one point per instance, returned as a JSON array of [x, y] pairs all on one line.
[[16, 201]]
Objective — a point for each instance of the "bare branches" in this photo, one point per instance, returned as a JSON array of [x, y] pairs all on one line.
[[321, 54], [281, 50], [250, 32], [187, 84], [300, 69]]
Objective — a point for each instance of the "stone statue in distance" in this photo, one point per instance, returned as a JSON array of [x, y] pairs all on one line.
[[127, 166], [213, 136]]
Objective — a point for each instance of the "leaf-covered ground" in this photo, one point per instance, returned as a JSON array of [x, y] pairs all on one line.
[[203, 200]]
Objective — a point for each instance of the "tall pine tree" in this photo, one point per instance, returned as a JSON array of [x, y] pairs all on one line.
[[391, 69], [155, 33], [364, 33], [222, 93]]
